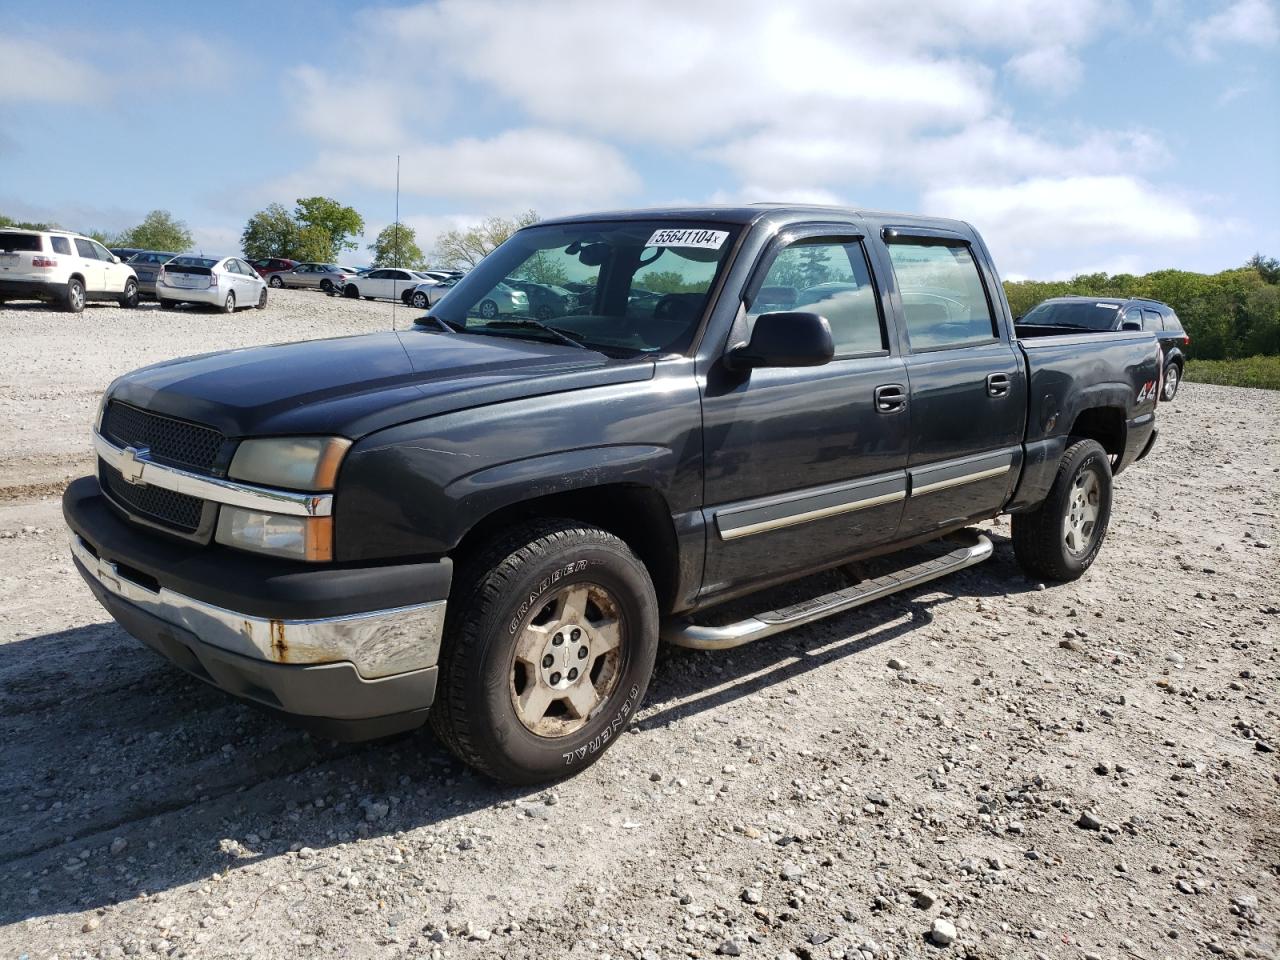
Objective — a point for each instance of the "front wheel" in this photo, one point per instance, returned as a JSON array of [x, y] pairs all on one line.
[[1061, 538], [488, 310], [262, 299], [547, 653], [129, 299], [420, 301], [1172, 376]]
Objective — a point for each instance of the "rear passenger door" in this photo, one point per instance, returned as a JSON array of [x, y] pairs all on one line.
[[967, 380], [806, 465]]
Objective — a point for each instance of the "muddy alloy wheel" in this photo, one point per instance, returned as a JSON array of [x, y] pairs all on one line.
[[1083, 506], [549, 644], [1061, 538], [565, 663]]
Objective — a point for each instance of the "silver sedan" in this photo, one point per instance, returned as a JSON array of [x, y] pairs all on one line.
[[226, 283], [316, 276]]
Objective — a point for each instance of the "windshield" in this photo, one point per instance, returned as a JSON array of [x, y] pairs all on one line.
[[636, 286], [1082, 314], [191, 262]]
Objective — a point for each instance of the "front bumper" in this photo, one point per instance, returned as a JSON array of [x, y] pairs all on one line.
[[352, 651]]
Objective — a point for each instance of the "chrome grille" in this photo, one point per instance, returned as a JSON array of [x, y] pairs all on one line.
[[176, 442], [178, 511]]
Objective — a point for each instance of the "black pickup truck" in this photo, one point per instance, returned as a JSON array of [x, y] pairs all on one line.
[[489, 520]]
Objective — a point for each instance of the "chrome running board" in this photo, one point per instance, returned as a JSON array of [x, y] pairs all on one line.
[[686, 633]]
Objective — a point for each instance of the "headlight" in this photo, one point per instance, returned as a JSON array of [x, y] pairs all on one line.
[[298, 538], [296, 463]]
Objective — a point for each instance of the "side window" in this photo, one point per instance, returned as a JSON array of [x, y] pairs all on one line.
[[61, 245], [1151, 321], [1171, 322], [1132, 315], [85, 249], [943, 299], [102, 252], [830, 278]]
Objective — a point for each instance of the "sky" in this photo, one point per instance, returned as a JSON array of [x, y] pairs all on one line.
[[1122, 136]]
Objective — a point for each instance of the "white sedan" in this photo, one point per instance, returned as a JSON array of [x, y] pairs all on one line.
[[225, 283], [385, 283]]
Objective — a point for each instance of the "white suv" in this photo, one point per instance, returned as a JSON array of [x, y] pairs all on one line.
[[63, 268]]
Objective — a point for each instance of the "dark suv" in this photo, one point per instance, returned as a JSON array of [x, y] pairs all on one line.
[[1117, 313]]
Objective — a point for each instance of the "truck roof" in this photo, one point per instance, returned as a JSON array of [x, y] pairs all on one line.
[[778, 213]]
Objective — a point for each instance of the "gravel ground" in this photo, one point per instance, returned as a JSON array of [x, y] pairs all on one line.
[[981, 767]]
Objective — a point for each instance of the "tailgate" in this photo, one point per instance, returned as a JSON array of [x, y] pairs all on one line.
[[19, 253]]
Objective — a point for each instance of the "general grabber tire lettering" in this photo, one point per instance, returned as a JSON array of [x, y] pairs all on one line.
[[1061, 539], [549, 645]]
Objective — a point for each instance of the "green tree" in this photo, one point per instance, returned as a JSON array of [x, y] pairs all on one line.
[[158, 231], [541, 268], [397, 246], [668, 281], [272, 232], [25, 224], [326, 216], [463, 249]]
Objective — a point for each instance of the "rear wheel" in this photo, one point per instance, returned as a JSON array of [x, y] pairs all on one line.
[[129, 299], [1172, 377], [326, 286], [276, 282], [548, 652], [229, 304], [488, 309], [420, 301], [75, 299], [1061, 539]]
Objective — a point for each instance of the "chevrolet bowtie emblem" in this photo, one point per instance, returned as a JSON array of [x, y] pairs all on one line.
[[133, 462]]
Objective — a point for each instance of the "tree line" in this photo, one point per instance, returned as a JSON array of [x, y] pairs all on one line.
[[159, 230], [1227, 315]]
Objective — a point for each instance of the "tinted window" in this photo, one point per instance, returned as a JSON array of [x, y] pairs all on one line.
[[943, 299], [1132, 315], [26, 242], [85, 249], [103, 252], [60, 245], [828, 278], [1151, 320]]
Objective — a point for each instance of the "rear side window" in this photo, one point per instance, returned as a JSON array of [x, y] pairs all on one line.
[[829, 278], [943, 299], [61, 245], [1171, 322], [1151, 320], [21, 242]]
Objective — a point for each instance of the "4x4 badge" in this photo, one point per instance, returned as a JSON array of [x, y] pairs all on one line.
[[133, 463]]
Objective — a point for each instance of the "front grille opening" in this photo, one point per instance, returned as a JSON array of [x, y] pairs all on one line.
[[171, 441], [136, 576], [168, 508]]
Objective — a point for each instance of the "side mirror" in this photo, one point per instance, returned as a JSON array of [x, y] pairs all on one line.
[[784, 340], [1131, 325], [115, 259]]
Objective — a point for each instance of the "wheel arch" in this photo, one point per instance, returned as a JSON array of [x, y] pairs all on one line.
[[1106, 424]]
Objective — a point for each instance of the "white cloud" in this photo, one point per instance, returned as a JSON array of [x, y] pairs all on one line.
[[1053, 69], [525, 167], [31, 71], [1244, 22], [1075, 215]]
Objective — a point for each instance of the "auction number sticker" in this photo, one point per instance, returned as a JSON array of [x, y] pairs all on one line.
[[691, 237]]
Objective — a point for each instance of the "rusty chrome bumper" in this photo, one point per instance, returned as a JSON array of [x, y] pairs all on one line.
[[380, 643]]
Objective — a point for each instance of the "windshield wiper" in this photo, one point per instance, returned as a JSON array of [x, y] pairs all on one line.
[[444, 324], [531, 322]]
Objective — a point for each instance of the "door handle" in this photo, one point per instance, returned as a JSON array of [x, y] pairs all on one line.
[[997, 384], [890, 398]]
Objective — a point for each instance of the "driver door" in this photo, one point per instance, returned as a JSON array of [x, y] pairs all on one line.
[[806, 466]]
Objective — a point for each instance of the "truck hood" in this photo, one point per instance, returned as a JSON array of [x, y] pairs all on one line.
[[352, 386]]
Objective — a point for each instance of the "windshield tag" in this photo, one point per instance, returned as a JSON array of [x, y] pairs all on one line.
[[702, 239]]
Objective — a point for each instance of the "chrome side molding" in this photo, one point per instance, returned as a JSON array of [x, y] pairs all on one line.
[[686, 633]]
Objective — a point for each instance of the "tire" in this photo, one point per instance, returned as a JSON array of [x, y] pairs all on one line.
[[1172, 380], [167, 304], [74, 300], [262, 299], [229, 304], [371, 298], [326, 286], [1047, 542], [488, 310], [544, 313], [276, 282], [350, 292], [129, 299], [420, 301], [517, 593]]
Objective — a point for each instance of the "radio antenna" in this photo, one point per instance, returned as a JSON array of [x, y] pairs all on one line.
[[396, 234]]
